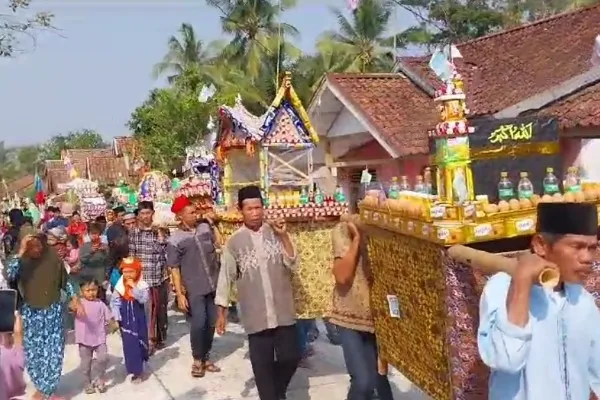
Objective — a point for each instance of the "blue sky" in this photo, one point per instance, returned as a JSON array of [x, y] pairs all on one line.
[[98, 68]]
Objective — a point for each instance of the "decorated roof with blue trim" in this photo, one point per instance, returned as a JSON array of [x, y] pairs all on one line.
[[286, 120], [244, 124]]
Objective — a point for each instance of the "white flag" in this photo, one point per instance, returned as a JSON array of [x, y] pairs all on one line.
[[454, 53], [596, 52], [206, 93]]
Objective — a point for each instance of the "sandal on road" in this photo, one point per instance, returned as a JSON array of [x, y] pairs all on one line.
[[211, 367], [90, 389], [198, 370], [100, 386]]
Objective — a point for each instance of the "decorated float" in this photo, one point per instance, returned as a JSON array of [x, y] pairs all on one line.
[[202, 172], [274, 152], [84, 194], [155, 186], [426, 304], [125, 194]]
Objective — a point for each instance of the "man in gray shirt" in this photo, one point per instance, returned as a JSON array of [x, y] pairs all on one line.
[[192, 256], [260, 258]]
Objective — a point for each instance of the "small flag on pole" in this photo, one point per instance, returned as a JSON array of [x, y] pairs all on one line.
[[454, 53], [206, 93], [440, 65]]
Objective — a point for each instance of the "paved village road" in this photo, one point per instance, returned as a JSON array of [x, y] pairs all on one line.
[[169, 372]]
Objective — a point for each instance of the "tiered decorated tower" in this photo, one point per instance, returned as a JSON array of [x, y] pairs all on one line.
[[454, 177]]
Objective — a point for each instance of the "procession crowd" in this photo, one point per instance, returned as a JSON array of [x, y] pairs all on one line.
[[117, 272]]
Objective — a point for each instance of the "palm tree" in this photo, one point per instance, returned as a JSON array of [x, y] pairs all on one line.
[[256, 30], [310, 68], [184, 51], [363, 37]]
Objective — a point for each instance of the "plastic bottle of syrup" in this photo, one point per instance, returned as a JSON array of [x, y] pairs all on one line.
[[404, 184], [427, 181], [394, 191], [550, 182], [572, 182], [420, 185], [505, 187], [525, 187]]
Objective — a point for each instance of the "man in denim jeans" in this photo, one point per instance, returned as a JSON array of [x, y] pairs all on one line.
[[352, 314]]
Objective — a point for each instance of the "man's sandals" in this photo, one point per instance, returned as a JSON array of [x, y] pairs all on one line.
[[199, 368]]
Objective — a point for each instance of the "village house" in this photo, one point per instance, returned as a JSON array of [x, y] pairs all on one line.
[[22, 186], [381, 121], [107, 166]]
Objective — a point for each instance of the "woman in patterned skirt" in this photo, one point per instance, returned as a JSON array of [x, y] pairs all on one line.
[[41, 277]]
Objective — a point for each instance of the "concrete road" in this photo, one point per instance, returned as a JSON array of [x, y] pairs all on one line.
[[169, 372]]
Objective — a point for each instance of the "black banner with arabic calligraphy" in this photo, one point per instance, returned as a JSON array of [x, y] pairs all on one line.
[[513, 131], [515, 145]]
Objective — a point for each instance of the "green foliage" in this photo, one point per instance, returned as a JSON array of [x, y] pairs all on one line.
[[28, 159], [20, 23], [20, 161], [81, 139], [260, 50], [441, 22], [170, 120]]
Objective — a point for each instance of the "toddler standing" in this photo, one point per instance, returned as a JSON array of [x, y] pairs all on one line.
[[90, 334], [127, 303]]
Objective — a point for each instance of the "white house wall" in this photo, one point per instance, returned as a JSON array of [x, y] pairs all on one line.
[[345, 124]]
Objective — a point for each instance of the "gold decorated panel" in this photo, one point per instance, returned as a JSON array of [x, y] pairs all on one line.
[[415, 343], [313, 281]]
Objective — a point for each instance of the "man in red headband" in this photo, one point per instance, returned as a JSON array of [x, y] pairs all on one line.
[[192, 256]]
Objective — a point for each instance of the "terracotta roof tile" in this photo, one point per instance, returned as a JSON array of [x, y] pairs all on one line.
[[124, 144], [21, 185], [396, 107], [108, 170], [82, 154], [581, 109], [507, 67]]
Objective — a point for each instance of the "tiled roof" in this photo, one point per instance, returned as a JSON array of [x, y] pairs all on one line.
[[124, 144], [82, 154], [108, 170], [581, 109], [507, 67], [21, 185], [394, 105]]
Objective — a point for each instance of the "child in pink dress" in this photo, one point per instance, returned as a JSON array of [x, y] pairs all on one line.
[[90, 334], [12, 363], [72, 257]]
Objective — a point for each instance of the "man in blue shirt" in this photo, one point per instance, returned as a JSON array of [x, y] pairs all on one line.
[[544, 343]]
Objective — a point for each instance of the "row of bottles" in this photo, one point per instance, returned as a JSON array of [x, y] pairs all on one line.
[[422, 185], [304, 197], [551, 186]]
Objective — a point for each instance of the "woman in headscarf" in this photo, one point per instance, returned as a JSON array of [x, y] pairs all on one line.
[[41, 277], [57, 239]]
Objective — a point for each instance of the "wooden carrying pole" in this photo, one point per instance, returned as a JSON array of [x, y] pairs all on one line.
[[490, 263]]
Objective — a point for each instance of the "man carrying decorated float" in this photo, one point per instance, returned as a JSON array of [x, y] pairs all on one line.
[[260, 258], [352, 312], [540, 342], [191, 254]]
